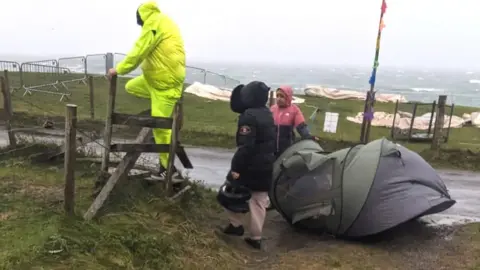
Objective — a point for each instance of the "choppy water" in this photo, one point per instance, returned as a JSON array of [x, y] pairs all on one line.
[[422, 85], [425, 85]]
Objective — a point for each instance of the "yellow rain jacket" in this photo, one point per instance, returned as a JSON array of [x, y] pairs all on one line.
[[159, 50]]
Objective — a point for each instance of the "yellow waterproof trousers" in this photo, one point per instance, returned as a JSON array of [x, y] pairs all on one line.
[[162, 105]]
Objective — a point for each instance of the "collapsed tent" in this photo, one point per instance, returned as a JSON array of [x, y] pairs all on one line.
[[339, 94], [357, 191], [403, 120], [214, 93]]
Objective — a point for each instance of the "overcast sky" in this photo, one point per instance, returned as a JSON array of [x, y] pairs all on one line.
[[424, 33]]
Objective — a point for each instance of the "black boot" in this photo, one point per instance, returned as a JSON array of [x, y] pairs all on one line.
[[162, 173], [256, 244], [235, 231]]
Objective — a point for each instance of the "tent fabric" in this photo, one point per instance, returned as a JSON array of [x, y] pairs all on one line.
[[357, 191]]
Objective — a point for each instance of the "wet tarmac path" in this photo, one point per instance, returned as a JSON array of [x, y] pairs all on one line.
[[211, 166]]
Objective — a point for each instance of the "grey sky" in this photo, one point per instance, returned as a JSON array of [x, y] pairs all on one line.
[[429, 33]]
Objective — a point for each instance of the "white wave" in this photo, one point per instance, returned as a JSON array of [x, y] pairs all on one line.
[[421, 89], [420, 79], [473, 81], [469, 72], [74, 68], [298, 90]]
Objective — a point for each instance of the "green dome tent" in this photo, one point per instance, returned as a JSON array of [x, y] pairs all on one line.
[[357, 191]]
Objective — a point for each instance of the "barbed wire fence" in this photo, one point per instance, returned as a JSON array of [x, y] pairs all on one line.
[[89, 143], [52, 77], [85, 141], [89, 148], [42, 141]]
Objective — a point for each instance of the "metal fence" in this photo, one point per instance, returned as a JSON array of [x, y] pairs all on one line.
[[96, 65], [44, 79], [429, 97], [52, 76], [77, 66], [195, 74], [118, 57], [12, 67]]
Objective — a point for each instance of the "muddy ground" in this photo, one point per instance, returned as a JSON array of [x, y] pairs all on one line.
[[414, 246], [439, 241]]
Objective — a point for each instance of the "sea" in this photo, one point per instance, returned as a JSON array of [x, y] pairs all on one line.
[[417, 84], [462, 87]]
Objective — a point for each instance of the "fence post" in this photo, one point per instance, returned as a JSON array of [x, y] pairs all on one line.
[[173, 150], [107, 141], [7, 82], [7, 107], [70, 152], [109, 61], [271, 100], [92, 101], [439, 122]]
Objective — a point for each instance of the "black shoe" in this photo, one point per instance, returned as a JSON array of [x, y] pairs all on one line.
[[256, 244], [162, 174], [235, 231]]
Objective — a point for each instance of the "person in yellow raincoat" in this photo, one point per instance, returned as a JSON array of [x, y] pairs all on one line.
[[160, 51]]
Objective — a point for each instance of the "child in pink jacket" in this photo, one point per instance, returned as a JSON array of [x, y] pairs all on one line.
[[288, 117]]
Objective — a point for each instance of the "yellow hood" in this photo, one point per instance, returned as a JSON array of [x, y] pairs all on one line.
[[149, 12]]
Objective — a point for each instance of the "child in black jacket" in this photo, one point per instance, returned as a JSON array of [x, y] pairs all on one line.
[[252, 164]]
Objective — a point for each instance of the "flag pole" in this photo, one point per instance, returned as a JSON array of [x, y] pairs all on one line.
[[370, 98]]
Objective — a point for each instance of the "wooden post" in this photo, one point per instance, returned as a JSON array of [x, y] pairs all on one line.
[[449, 123], [366, 124], [173, 150], [107, 137], [412, 121], [180, 114], [439, 122], [123, 168], [434, 106], [91, 93], [7, 81], [392, 131], [69, 161], [7, 107], [272, 99]]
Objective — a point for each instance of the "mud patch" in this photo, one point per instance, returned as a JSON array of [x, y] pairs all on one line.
[[414, 245], [39, 193], [6, 215], [42, 192]]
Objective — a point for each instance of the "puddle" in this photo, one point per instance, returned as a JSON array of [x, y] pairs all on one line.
[[448, 220]]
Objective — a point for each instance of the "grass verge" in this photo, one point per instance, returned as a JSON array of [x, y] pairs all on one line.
[[211, 123], [137, 229]]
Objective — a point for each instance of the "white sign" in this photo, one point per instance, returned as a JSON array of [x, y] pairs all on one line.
[[331, 122]]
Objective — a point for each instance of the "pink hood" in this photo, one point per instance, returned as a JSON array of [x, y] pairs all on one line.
[[288, 91], [289, 115]]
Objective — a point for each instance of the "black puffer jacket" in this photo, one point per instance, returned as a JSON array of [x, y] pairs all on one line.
[[255, 136]]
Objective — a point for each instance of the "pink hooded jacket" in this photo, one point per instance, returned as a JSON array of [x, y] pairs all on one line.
[[290, 115], [287, 119]]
